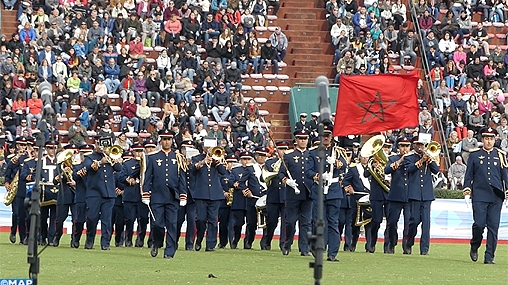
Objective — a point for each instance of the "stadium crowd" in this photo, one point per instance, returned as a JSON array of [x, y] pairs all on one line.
[[93, 51], [468, 74]]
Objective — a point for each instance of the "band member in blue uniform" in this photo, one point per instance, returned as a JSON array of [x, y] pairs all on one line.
[[485, 181], [243, 208], [226, 233], [49, 195], [118, 214], [187, 212], [150, 148], [208, 194], [302, 125], [379, 205], [298, 201], [100, 194], [275, 198], [399, 193], [347, 209], [79, 175], [260, 156], [164, 188], [66, 195], [27, 175], [130, 177], [358, 185], [14, 163], [334, 166], [420, 167]]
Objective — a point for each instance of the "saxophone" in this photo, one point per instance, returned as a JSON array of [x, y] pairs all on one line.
[[11, 194], [229, 200]]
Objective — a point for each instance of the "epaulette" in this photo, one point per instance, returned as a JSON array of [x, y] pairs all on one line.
[[28, 159], [153, 152], [313, 148], [354, 164], [289, 151], [474, 149], [11, 155]]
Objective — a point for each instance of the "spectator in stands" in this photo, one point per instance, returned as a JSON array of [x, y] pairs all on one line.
[[129, 114], [19, 84], [91, 104], [9, 119], [476, 121], [269, 57], [471, 105], [143, 113], [112, 71], [494, 91], [252, 121], [362, 21], [84, 116], [480, 37], [465, 26], [189, 65], [456, 174], [140, 87], [45, 72], [461, 124], [475, 72], [198, 113], [436, 76], [164, 63], [213, 51], [61, 98], [101, 90], [458, 103], [19, 105], [259, 11], [426, 21], [233, 77], [216, 133], [73, 87], [153, 89], [34, 106], [236, 102], [502, 129], [136, 51], [427, 128], [255, 136], [221, 103], [502, 75], [210, 28], [27, 34], [123, 141], [77, 133], [424, 115], [103, 112], [23, 128], [173, 27], [126, 87], [255, 56], [170, 112], [468, 144], [150, 30], [280, 42]]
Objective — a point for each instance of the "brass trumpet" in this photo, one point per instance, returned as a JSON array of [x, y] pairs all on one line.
[[113, 153], [65, 158]]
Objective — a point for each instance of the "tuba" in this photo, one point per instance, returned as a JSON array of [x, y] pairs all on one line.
[[65, 158], [374, 148]]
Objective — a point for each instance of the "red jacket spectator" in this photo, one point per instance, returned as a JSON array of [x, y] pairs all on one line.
[[129, 109], [467, 90], [173, 26], [19, 82], [135, 47], [34, 105]]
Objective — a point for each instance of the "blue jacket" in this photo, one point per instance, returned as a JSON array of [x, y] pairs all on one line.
[[246, 179], [112, 72], [101, 181], [420, 179], [295, 161], [356, 20], [48, 173], [164, 178], [121, 186], [40, 72], [207, 185], [81, 182], [130, 169], [26, 174], [42, 55], [354, 179], [67, 196], [224, 182], [377, 193], [486, 175], [399, 186], [23, 33], [276, 192], [312, 168], [209, 25]]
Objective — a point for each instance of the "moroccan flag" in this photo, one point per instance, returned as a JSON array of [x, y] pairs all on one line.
[[374, 103]]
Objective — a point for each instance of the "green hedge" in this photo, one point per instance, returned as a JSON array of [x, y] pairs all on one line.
[[441, 193]]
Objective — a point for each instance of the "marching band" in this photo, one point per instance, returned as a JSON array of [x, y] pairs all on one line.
[[217, 193]]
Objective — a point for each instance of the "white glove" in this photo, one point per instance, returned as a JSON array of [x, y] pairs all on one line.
[[330, 160], [291, 183], [326, 176], [183, 200]]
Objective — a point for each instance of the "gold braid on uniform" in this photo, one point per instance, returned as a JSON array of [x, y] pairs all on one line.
[[181, 161], [502, 158]]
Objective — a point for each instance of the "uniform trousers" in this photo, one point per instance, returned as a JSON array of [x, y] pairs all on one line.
[[48, 228], [207, 212], [300, 210], [118, 223], [98, 207], [240, 217], [78, 220], [345, 226], [379, 210], [225, 226], [331, 213], [273, 212], [19, 206], [14, 220], [488, 215], [187, 212], [166, 216], [62, 214], [143, 218], [420, 213], [393, 219]]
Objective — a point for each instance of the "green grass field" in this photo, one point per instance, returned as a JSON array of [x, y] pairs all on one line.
[[446, 264]]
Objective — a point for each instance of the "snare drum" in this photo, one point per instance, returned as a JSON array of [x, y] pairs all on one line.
[[365, 200], [261, 203]]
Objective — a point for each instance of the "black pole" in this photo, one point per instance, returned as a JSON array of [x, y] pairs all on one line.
[[34, 203], [318, 238]]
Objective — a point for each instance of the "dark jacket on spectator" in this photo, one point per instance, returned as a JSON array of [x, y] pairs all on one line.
[[189, 62], [268, 52], [213, 51], [96, 71], [153, 85], [238, 125], [91, 105], [474, 71], [201, 74], [221, 99], [202, 108], [233, 75]]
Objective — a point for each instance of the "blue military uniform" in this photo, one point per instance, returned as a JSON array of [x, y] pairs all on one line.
[[166, 182], [225, 218], [398, 197], [298, 206], [334, 196], [118, 213], [486, 179], [100, 198], [66, 201], [302, 125], [49, 199], [207, 193], [380, 209], [243, 208], [131, 196], [187, 212], [79, 217], [355, 178], [420, 195], [275, 201]]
